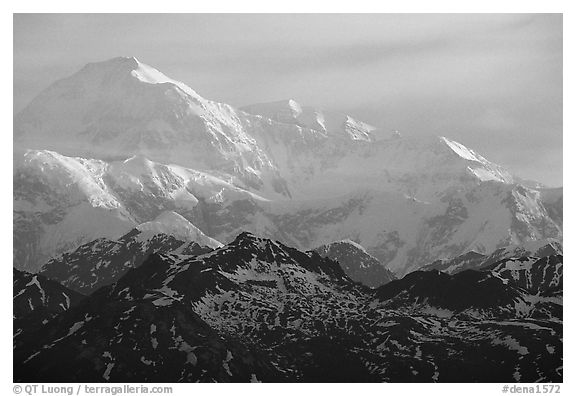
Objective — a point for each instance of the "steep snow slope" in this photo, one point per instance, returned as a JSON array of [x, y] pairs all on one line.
[[171, 223], [63, 202], [59, 203], [423, 168], [391, 162]]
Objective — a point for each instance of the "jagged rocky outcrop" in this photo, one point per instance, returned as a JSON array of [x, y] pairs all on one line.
[[357, 263]]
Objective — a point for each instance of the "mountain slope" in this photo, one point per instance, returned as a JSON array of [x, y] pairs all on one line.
[[258, 309], [357, 263], [473, 260], [63, 202], [553, 200], [36, 301], [33, 292], [103, 261], [468, 293], [122, 107], [171, 223], [60, 203], [304, 176], [108, 338]]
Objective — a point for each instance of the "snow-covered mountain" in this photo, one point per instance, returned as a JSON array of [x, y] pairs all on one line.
[[62, 202], [258, 310], [118, 143], [332, 124], [121, 107], [36, 301]]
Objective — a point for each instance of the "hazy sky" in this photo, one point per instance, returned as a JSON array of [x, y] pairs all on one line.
[[491, 82]]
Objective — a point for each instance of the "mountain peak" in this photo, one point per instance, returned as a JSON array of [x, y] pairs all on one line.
[[289, 111], [129, 61], [439, 154], [356, 262], [172, 223], [121, 68], [462, 151], [137, 164], [246, 237], [345, 243], [113, 68], [352, 243], [123, 62], [285, 110]]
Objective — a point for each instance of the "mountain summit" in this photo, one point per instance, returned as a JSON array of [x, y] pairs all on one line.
[[120, 143], [121, 107]]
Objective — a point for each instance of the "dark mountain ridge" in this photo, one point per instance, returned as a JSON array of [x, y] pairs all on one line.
[[256, 309]]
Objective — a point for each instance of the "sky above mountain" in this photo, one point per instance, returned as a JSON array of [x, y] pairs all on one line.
[[492, 82]]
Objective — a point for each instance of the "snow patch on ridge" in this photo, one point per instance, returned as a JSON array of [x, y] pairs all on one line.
[[171, 223], [150, 75]]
